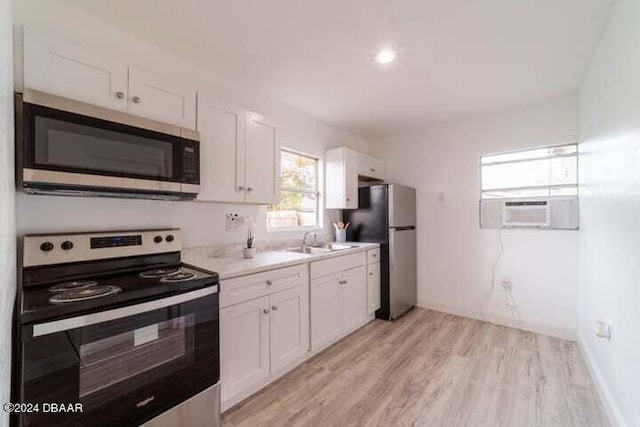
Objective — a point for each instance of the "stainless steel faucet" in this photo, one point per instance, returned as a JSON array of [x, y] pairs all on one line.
[[305, 238]]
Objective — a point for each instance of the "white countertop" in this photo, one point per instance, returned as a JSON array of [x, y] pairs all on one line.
[[233, 266]]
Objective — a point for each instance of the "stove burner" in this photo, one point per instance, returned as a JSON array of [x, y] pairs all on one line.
[[73, 285], [84, 294], [181, 276], [159, 272]]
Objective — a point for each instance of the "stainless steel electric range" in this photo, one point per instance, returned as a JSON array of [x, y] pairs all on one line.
[[116, 323]]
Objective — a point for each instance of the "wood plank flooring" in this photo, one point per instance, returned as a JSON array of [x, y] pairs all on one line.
[[431, 369]]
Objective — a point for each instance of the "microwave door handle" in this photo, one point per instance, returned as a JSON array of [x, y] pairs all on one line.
[[62, 325]]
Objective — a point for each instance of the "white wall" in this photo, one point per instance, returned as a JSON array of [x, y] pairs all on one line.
[[203, 224], [7, 204], [455, 255], [609, 243]]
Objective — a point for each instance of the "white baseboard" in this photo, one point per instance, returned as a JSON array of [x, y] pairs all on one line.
[[611, 408], [505, 319]]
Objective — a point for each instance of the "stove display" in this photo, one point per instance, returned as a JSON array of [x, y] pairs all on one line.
[[84, 294]]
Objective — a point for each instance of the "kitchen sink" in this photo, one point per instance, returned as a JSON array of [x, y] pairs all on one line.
[[321, 249]]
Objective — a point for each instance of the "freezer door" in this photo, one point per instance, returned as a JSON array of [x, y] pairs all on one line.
[[403, 288], [402, 205]]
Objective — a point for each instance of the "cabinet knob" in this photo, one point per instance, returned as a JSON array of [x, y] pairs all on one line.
[[375, 255], [241, 188], [265, 311], [120, 95], [136, 99], [348, 199], [371, 273], [372, 169], [274, 308], [269, 282], [249, 189]]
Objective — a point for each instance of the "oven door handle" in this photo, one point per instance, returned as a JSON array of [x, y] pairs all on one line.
[[62, 325]]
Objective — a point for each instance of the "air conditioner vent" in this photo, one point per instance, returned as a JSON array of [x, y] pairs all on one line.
[[552, 213]]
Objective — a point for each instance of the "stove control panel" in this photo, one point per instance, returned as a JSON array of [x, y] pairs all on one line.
[[63, 248]]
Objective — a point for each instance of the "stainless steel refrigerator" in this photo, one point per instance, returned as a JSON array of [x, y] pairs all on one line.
[[386, 215]]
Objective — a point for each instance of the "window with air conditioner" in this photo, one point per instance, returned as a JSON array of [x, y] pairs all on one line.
[[536, 188]]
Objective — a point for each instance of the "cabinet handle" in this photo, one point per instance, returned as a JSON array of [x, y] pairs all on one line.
[[136, 99], [344, 282], [120, 95], [274, 308], [372, 169], [269, 282], [249, 189], [240, 188], [265, 311]]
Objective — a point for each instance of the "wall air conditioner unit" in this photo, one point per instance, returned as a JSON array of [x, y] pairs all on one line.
[[526, 213], [555, 213]]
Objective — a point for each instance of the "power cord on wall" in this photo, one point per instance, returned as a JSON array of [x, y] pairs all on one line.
[[491, 290], [510, 301]]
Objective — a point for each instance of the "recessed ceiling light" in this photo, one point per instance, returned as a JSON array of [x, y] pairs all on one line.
[[385, 56]]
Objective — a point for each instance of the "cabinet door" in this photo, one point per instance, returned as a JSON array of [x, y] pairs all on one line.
[[351, 179], [354, 298], [62, 69], [244, 345], [326, 315], [289, 326], [161, 99], [222, 153], [373, 287], [262, 167]]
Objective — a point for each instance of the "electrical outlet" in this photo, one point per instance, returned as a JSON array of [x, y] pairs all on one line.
[[234, 222], [603, 329]]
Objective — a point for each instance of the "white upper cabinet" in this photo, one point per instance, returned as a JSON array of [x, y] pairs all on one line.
[[64, 70], [262, 167], [161, 99], [240, 154], [222, 150], [343, 168]]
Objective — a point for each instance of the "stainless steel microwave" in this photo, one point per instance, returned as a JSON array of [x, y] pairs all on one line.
[[66, 147]]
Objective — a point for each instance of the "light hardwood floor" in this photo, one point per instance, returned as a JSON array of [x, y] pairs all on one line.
[[431, 369]]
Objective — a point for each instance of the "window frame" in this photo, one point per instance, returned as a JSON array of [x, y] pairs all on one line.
[[551, 186], [316, 191]]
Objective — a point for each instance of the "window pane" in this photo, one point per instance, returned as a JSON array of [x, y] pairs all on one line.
[[534, 173], [530, 154], [531, 192], [298, 172], [296, 209]]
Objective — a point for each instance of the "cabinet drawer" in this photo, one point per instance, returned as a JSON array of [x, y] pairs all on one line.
[[239, 289], [373, 255], [337, 264]]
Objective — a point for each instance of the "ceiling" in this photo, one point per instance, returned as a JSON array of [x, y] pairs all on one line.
[[455, 57]]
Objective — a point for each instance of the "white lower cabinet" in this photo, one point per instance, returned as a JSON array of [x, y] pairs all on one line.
[[373, 287], [263, 335], [354, 299], [289, 326], [244, 345], [338, 299], [326, 322]]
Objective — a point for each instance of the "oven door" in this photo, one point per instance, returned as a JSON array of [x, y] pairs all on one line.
[[98, 149], [124, 366]]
